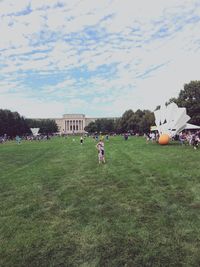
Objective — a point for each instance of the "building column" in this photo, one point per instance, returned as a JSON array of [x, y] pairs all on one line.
[[83, 124], [79, 125], [70, 125]]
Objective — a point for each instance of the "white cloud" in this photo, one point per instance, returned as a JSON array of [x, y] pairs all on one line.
[[147, 49], [32, 108], [12, 7]]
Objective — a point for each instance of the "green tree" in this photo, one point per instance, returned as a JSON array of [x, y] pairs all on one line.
[[126, 121], [117, 126], [136, 122], [101, 125], [189, 97], [46, 126], [91, 127], [146, 121], [12, 124]]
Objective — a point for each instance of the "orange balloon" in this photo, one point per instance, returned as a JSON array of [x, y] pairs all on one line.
[[163, 139]]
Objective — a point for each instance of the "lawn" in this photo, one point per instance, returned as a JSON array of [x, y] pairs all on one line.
[[59, 207]]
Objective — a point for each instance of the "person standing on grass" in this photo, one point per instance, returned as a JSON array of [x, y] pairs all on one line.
[[81, 140], [148, 138], [101, 151], [18, 140], [195, 141]]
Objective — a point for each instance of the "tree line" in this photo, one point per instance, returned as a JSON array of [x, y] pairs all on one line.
[[133, 122], [47, 126], [13, 124], [141, 120]]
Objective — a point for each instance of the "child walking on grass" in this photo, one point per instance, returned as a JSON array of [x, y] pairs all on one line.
[[101, 152]]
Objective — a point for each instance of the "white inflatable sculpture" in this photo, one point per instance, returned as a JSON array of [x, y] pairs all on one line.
[[35, 131], [171, 119]]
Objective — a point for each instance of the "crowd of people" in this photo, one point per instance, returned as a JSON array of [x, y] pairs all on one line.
[[152, 136], [190, 138], [4, 138], [184, 138]]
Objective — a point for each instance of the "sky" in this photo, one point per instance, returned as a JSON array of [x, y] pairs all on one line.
[[98, 58]]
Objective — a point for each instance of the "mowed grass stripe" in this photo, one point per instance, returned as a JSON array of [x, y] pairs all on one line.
[[59, 207]]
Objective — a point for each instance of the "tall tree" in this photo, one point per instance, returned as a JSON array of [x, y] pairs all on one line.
[[127, 120], [91, 127], [146, 121], [189, 97], [12, 124]]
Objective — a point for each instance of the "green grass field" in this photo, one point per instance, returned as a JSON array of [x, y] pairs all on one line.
[[59, 207]]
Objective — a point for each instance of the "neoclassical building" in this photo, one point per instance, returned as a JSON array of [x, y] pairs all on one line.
[[73, 123]]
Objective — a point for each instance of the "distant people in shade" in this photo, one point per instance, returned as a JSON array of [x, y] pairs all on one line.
[[125, 136], [101, 137], [18, 140], [182, 138], [148, 138], [195, 141], [152, 137]]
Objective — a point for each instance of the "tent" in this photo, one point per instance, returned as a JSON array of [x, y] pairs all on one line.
[[153, 128], [187, 127], [191, 127]]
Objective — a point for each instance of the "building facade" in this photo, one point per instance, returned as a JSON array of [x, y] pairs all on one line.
[[73, 123]]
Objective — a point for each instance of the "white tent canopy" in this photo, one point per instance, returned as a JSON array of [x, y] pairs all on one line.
[[191, 127], [188, 126]]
